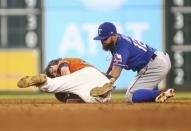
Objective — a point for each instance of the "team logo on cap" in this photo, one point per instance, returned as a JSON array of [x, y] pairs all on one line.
[[99, 31]]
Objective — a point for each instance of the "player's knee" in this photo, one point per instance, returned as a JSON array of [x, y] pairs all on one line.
[[128, 96]]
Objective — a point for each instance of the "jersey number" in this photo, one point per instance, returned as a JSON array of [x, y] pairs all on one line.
[[140, 45]]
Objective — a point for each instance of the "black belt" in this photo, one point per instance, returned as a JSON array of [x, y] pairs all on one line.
[[154, 56]]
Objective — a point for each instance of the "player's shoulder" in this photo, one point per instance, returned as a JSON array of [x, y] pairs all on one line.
[[68, 60], [124, 38], [72, 58]]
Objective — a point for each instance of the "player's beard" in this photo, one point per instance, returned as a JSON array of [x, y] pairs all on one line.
[[108, 47]]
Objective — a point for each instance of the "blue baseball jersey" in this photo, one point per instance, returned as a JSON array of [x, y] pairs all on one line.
[[131, 54]]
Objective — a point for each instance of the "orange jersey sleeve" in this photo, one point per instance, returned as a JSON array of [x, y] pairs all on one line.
[[74, 64]]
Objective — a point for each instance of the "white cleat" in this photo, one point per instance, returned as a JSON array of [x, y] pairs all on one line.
[[164, 95]]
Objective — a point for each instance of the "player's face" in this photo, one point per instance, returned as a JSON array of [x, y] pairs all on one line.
[[53, 70], [108, 43]]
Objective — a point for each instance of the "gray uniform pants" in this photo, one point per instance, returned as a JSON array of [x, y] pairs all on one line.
[[151, 75]]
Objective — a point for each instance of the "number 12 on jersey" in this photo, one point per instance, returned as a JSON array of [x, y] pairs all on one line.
[[140, 45]]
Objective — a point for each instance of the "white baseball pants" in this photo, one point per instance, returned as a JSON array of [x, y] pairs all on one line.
[[80, 83], [151, 75]]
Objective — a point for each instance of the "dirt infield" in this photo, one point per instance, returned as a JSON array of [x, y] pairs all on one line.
[[51, 115]]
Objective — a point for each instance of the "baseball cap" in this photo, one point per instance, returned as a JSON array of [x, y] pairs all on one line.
[[105, 30]]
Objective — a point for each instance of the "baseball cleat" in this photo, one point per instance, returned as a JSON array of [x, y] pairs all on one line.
[[101, 91], [164, 95], [27, 81]]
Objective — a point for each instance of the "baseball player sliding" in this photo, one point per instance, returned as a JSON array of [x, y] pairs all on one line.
[[151, 65], [71, 76]]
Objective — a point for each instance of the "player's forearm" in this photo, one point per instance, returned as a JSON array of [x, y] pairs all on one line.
[[115, 73]]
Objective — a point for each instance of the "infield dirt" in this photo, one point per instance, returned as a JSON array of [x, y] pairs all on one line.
[[51, 115]]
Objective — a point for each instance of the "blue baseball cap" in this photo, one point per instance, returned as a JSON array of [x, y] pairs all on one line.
[[105, 30]]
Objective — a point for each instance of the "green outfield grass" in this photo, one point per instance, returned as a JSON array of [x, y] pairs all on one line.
[[115, 95], [178, 96], [26, 95]]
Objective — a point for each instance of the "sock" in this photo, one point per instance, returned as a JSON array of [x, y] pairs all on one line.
[[145, 95]]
